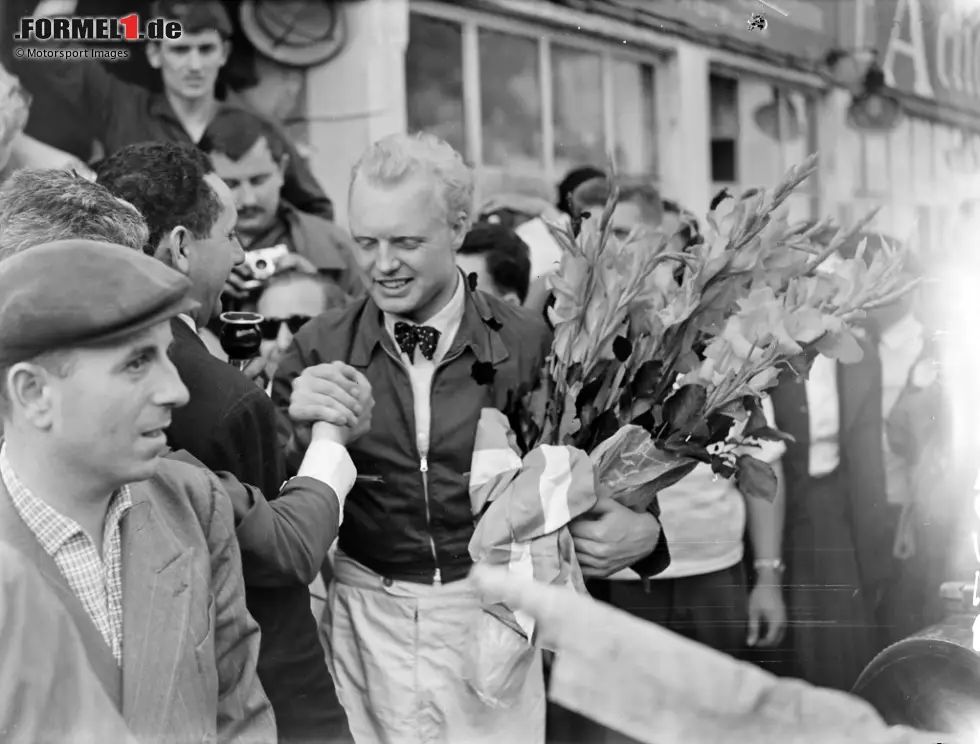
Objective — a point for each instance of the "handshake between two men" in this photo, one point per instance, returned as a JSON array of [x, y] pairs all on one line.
[[335, 400]]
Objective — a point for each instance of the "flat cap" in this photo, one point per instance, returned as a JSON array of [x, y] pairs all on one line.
[[82, 293]]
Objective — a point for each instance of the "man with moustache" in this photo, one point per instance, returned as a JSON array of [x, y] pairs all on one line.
[[140, 550], [401, 613], [123, 114], [253, 158], [231, 426]]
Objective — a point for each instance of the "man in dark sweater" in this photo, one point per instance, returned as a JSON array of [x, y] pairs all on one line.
[[230, 425]]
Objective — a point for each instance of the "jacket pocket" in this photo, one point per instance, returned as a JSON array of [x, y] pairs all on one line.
[[370, 479]]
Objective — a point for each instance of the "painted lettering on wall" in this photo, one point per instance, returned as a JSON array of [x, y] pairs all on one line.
[[908, 15], [928, 47]]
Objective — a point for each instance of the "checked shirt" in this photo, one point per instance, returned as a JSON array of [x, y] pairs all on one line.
[[97, 582]]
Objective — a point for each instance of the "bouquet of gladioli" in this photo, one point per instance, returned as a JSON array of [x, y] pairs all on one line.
[[659, 351]]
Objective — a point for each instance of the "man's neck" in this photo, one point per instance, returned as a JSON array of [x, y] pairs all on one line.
[[195, 114], [72, 494], [441, 301]]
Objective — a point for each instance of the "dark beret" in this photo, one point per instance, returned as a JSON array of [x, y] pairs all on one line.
[[83, 293]]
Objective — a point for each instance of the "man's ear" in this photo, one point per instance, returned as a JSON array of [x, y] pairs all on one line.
[[460, 227], [175, 247], [153, 55], [28, 389], [283, 164], [225, 52]]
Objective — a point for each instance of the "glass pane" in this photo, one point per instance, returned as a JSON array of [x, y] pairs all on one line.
[[510, 97], [723, 94], [635, 135], [577, 85], [434, 79]]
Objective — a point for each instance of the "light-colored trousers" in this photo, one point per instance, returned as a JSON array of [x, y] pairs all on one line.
[[397, 654]]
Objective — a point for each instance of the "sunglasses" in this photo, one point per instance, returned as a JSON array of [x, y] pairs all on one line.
[[270, 326]]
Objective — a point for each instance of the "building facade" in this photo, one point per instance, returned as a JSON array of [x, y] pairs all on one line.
[[686, 92]]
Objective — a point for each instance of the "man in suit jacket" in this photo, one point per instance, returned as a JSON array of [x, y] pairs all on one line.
[[231, 425], [141, 551], [48, 692], [844, 491]]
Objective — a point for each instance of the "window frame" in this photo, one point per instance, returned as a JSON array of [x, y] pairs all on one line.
[[472, 20], [812, 98]]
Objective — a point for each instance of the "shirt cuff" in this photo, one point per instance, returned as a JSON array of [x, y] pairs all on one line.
[[329, 463]]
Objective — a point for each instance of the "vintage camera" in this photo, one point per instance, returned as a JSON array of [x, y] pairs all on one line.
[[262, 264]]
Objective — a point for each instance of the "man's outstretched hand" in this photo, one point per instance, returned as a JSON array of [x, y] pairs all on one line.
[[334, 393]]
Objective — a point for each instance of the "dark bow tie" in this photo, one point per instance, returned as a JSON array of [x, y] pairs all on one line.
[[408, 336]]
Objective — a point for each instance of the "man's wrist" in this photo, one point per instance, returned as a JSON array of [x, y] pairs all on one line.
[[324, 432], [769, 570]]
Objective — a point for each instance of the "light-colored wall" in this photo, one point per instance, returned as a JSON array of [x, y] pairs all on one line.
[[684, 127], [359, 96]]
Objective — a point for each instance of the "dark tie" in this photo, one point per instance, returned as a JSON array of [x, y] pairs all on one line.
[[408, 336]]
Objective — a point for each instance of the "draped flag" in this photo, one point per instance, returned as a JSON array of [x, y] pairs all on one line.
[[523, 507]]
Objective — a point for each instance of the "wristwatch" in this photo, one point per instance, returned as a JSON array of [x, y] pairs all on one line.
[[774, 564]]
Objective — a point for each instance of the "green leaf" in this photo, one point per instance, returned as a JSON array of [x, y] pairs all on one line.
[[622, 348], [686, 449], [647, 378], [769, 434], [722, 466], [675, 476], [685, 406], [755, 478]]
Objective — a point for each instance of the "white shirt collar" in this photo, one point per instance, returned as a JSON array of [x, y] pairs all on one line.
[[446, 321], [902, 333], [189, 320]]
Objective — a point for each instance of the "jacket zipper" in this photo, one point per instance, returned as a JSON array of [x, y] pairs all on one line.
[[424, 469], [424, 464], [423, 451]]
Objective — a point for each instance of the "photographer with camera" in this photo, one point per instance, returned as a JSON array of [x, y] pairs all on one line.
[[251, 157], [231, 425]]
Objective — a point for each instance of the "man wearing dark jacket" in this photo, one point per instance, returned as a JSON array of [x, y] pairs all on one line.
[[124, 114], [230, 425], [401, 614]]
